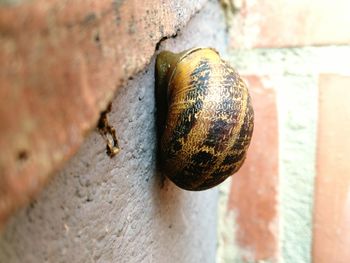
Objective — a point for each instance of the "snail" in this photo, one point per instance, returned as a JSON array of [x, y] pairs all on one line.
[[205, 118]]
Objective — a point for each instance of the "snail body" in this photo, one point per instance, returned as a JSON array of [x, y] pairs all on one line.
[[205, 117]]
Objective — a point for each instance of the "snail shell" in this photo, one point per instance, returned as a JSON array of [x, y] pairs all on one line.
[[205, 118]]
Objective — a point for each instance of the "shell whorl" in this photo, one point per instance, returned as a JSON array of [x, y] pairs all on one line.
[[209, 118]]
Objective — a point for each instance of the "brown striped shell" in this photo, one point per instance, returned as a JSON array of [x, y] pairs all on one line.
[[205, 118]]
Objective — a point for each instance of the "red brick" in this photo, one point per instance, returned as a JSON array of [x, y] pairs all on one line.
[[61, 64], [331, 232], [284, 23], [254, 189]]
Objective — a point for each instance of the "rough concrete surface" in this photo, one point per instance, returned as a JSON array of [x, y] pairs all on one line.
[[99, 209], [63, 62]]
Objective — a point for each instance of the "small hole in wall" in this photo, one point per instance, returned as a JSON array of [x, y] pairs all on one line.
[[97, 38], [22, 155]]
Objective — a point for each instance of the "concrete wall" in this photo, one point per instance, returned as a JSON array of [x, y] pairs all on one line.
[[98, 209]]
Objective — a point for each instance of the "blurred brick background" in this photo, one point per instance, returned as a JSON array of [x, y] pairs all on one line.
[[290, 200]]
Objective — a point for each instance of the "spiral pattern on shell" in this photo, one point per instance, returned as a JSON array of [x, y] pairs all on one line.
[[207, 121]]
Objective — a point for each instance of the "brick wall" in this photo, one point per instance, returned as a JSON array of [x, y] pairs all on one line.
[[288, 203], [290, 200]]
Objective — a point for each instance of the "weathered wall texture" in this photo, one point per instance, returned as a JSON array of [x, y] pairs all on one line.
[[98, 209], [290, 201], [62, 61]]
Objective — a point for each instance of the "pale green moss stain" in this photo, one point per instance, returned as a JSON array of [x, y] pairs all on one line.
[[294, 74]]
